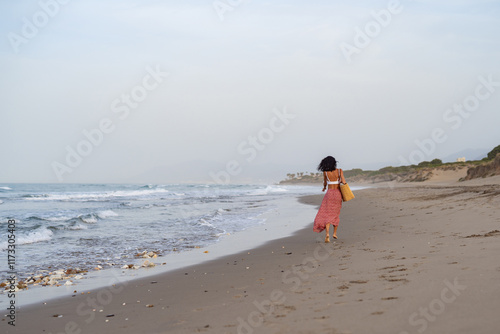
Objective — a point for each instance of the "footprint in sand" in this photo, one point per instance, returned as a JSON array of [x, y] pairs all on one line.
[[489, 234], [322, 318], [404, 280], [393, 267], [398, 274]]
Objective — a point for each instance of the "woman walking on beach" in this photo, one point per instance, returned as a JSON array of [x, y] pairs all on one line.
[[329, 210]]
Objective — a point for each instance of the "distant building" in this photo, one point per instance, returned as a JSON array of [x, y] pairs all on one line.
[[461, 159]]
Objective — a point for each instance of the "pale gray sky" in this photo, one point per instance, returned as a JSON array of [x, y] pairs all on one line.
[[364, 81]]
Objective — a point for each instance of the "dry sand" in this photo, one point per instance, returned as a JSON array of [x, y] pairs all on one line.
[[412, 259]]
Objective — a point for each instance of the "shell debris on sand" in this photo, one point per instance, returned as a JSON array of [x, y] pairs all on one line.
[[147, 255], [131, 266], [48, 279], [148, 264]]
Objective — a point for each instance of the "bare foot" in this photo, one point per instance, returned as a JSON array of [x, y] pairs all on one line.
[[334, 236], [327, 239]]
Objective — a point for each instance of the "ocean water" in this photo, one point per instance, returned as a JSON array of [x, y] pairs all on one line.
[[62, 226]]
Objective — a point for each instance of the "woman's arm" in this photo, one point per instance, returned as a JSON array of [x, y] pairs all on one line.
[[342, 179], [324, 181]]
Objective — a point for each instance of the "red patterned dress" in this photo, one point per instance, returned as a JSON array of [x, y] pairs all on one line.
[[329, 210]]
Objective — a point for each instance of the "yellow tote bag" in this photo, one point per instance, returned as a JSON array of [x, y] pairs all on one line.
[[346, 192]]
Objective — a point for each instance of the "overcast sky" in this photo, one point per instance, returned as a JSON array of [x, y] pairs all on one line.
[[180, 91]]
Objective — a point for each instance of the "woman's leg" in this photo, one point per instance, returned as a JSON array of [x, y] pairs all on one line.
[[335, 231], [327, 238]]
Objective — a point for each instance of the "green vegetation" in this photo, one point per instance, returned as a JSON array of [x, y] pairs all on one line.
[[433, 163], [493, 153], [391, 172], [406, 169]]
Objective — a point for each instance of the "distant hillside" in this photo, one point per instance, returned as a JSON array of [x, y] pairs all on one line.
[[424, 171], [386, 174]]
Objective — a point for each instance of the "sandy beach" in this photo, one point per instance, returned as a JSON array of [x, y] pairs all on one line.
[[409, 259]]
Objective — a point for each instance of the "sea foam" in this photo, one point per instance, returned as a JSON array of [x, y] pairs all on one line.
[[106, 213], [268, 190], [39, 235], [97, 196]]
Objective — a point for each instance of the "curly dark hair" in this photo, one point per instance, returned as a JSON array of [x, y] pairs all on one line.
[[327, 164]]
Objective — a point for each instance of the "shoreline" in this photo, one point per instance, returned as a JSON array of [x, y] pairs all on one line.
[[67, 231], [401, 250], [247, 239]]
